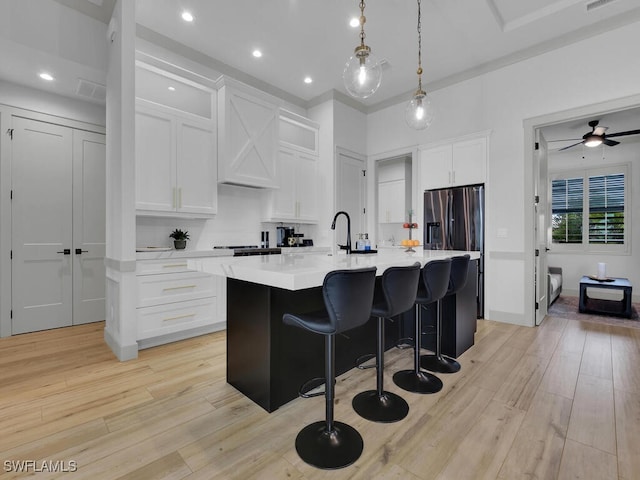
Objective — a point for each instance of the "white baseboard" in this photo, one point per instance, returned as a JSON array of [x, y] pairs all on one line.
[[123, 352], [177, 336]]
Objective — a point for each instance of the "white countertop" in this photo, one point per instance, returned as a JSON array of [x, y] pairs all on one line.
[[295, 271]]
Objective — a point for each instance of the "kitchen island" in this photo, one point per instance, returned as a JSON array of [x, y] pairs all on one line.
[[269, 361]]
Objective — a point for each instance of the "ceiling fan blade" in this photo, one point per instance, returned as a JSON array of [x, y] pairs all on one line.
[[599, 131], [622, 134], [610, 143], [565, 140], [565, 148]]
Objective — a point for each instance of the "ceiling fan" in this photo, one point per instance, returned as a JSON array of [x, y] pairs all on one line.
[[597, 136]]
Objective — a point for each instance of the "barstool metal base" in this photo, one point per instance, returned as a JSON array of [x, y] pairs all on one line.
[[439, 364], [329, 450], [385, 408], [417, 382]]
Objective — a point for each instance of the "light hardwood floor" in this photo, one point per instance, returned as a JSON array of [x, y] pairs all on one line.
[[555, 402]]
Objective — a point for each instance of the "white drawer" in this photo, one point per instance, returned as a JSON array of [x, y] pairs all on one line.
[[175, 317], [174, 287], [153, 267]]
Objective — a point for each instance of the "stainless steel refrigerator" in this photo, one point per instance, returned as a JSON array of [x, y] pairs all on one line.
[[454, 220]]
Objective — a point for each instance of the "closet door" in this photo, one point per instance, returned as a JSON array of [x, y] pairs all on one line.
[[41, 226], [89, 223]]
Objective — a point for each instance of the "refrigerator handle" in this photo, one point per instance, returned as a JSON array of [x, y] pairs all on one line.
[[450, 220]]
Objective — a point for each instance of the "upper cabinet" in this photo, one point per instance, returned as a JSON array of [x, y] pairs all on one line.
[[454, 164], [175, 153], [394, 190], [295, 199], [248, 140]]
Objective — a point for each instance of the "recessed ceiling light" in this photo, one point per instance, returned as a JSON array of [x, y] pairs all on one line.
[[171, 89], [46, 76], [354, 22], [187, 17], [308, 80], [257, 53]]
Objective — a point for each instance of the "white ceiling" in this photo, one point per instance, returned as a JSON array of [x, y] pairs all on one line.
[[307, 37], [461, 38]]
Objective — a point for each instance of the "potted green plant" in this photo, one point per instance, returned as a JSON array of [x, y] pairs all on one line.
[[179, 239]]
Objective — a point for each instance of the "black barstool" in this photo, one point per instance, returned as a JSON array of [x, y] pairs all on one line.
[[399, 286], [432, 287], [436, 362], [348, 297]]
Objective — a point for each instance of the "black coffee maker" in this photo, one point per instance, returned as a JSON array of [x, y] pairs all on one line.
[[283, 234]]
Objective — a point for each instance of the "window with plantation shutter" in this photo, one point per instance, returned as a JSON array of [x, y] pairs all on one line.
[[588, 210], [606, 209], [566, 212]]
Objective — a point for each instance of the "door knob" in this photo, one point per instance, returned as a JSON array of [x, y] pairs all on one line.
[[80, 251], [66, 251]]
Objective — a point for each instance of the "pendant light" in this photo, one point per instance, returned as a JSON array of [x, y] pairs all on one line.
[[362, 73], [419, 112]]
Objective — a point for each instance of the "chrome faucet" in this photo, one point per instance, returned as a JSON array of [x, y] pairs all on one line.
[[333, 227]]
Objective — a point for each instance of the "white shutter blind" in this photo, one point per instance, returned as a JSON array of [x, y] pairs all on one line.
[[606, 209]]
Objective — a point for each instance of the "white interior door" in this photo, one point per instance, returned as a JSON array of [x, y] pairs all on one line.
[[41, 220], [541, 229], [350, 195], [89, 223]]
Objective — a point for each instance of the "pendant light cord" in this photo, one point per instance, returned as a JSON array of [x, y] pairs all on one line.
[[419, 71], [363, 19]]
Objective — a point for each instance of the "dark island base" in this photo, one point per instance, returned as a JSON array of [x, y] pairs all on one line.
[[268, 361]]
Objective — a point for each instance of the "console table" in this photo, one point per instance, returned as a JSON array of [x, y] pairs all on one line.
[[610, 307]]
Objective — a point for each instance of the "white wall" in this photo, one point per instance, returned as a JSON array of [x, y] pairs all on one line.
[[500, 101], [44, 102], [576, 264], [349, 128], [323, 114]]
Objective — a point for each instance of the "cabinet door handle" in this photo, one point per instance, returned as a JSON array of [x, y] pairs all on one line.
[[173, 203], [79, 251], [66, 251], [178, 317], [178, 288], [179, 197], [174, 265]]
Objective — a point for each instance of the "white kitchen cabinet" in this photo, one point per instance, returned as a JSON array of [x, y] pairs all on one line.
[[176, 301], [176, 145], [248, 136], [394, 191], [454, 164], [296, 198], [392, 207], [176, 164]]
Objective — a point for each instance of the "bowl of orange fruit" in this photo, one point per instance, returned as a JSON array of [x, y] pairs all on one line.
[[409, 243]]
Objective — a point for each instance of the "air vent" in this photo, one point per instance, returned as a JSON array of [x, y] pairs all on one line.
[[598, 4], [92, 90]]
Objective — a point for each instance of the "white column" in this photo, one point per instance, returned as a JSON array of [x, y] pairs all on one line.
[[121, 329]]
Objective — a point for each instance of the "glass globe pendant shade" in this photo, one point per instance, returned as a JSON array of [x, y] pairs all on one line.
[[363, 73], [420, 112]]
